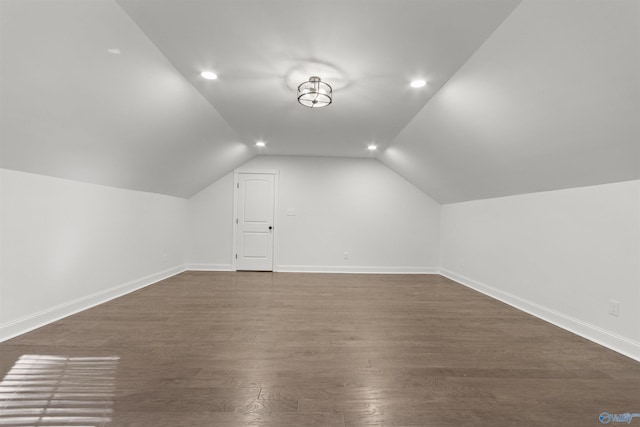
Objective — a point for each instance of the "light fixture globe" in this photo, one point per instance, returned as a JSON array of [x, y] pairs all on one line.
[[314, 93]]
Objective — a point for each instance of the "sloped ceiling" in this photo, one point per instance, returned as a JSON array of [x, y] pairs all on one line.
[[368, 50], [521, 97], [551, 100], [86, 96]]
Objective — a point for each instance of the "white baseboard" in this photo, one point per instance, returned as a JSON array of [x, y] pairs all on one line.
[[209, 267], [28, 323], [615, 342], [594, 333], [354, 269]]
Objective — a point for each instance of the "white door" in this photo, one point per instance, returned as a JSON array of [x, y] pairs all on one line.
[[254, 221]]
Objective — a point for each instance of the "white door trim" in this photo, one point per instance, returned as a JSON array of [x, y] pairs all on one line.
[[236, 176]]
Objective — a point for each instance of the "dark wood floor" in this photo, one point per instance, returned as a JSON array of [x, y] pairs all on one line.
[[239, 349]]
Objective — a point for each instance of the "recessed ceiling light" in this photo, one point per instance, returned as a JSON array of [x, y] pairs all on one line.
[[209, 75], [418, 83], [372, 147], [260, 144]]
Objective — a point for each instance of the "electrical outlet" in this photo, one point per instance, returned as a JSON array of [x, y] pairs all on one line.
[[614, 308], [346, 255]]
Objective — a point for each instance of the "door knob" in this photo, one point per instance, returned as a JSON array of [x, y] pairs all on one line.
[[270, 228]]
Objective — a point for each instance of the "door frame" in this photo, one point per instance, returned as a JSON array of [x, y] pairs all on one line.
[[236, 180]]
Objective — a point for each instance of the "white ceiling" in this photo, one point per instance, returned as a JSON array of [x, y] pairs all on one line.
[[368, 50], [521, 97], [72, 109], [551, 100]]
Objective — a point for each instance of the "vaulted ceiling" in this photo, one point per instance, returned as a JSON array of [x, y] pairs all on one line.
[[521, 97]]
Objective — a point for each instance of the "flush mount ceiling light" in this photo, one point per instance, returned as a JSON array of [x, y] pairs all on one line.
[[372, 147], [418, 83], [260, 144], [314, 93], [209, 75]]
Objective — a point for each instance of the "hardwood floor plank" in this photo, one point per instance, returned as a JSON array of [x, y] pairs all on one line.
[[293, 349], [226, 419]]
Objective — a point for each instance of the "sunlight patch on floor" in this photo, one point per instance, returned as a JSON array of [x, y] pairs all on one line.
[[43, 390]]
